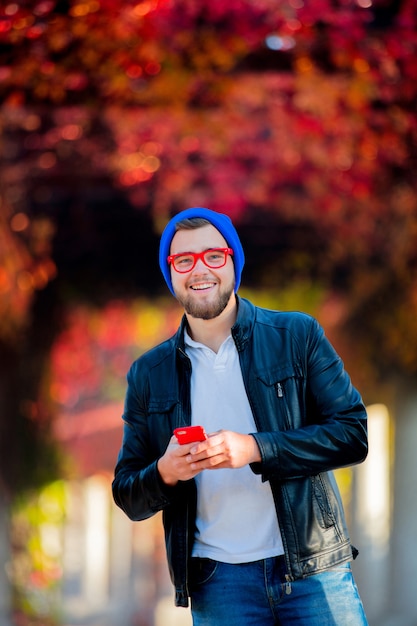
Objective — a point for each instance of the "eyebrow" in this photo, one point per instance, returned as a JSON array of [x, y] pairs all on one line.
[[204, 250]]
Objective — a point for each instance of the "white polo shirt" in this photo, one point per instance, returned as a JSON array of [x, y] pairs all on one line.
[[236, 516]]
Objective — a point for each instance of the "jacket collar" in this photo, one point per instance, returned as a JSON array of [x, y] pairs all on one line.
[[241, 330]]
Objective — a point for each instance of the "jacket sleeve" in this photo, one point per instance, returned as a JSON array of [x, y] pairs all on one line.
[[137, 486], [334, 429]]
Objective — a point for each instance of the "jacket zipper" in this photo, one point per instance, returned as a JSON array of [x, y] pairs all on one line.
[[280, 390]]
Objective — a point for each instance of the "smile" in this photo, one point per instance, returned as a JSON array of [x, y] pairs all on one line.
[[201, 286]]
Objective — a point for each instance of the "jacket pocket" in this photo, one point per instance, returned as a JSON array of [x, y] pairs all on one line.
[[281, 388], [162, 418], [160, 404], [321, 502]]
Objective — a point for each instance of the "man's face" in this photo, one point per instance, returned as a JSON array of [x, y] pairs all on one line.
[[203, 292]]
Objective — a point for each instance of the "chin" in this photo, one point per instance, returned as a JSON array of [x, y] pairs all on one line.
[[206, 310]]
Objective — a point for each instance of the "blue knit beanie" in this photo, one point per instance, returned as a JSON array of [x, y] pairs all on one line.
[[224, 225]]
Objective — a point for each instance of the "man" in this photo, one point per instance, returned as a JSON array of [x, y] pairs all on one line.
[[254, 526]]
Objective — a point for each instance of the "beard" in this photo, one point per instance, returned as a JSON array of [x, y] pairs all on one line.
[[206, 310]]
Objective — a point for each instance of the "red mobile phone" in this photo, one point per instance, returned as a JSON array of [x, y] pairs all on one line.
[[190, 434]]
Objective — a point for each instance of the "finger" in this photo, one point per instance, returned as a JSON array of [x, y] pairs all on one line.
[[209, 462], [213, 440], [197, 454]]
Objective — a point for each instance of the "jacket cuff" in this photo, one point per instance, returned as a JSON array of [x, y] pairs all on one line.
[[269, 454], [163, 494]]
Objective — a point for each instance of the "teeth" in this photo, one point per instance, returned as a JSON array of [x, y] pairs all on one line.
[[202, 286]]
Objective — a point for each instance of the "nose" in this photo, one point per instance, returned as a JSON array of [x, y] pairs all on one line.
[[199, 265]]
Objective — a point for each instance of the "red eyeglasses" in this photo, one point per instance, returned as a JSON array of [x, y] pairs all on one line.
[[213, 258]]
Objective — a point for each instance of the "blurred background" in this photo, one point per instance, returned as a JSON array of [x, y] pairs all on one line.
[[298, 119]]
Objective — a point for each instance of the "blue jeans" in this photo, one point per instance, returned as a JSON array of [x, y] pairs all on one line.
[[257, 594]]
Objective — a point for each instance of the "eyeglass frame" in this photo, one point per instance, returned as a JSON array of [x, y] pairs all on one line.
[[199, 255]]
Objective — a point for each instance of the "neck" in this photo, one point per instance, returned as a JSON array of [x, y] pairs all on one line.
[[213, 332]]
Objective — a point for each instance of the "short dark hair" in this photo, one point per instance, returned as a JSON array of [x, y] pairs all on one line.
[[192, 223]]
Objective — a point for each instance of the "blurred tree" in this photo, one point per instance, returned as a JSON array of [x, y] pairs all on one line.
[[300, 121]]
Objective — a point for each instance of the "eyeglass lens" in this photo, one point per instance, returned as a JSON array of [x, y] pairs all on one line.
[[211, 258]]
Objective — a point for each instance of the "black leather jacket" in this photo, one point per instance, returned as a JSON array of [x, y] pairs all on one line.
[[310, 420]]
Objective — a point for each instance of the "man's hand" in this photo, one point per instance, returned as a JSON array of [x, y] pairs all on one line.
[[223, 449], [174, 465]]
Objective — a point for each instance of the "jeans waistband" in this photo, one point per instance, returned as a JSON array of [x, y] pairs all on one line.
[[280, 558]]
